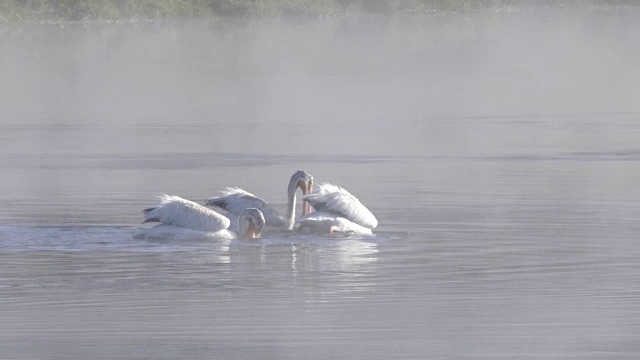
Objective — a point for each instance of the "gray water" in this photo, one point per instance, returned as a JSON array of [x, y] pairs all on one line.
[[499, 152]]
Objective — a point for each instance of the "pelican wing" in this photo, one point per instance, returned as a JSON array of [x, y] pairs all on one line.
[[236, 200], [336, 200], [176, 211]]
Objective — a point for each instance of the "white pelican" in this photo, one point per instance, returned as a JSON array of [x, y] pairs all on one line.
[[336, 211], [235, 200], [181, 218]]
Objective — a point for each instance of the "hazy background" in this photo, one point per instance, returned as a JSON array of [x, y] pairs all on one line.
[[362, 74], [169, 95], [497, 147]]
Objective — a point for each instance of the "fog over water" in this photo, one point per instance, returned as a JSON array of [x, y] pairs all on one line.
[[499, 151]]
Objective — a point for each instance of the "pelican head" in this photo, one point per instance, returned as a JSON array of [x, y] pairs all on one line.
[[303, 181], [250, 224]]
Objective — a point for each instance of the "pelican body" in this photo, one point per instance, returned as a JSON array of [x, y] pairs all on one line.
[[182, 218], [235, 200], [336, 211]]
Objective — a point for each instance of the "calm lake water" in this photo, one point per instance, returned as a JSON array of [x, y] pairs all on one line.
[[500, 153]]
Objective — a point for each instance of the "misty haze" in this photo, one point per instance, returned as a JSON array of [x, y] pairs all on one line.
[[498, 149]]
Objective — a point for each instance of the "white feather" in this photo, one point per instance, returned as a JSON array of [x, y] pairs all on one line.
[[235, 200], [334, 200], [176, 211], [320, 222], [171, 232]]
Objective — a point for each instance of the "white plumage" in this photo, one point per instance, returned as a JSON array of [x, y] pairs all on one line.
[[320, 222], [337, 210], [171, 232], [181, 219], [176, 211], [235, 200]]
